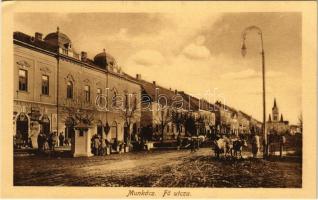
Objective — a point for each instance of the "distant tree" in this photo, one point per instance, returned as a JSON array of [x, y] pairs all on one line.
[[129, 113], [164, 118], [190, 124], [300, 122], [79, 110], [178, 118]]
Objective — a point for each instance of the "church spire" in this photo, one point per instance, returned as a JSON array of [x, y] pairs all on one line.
[[275, 105], [281, 118], [269, 118]]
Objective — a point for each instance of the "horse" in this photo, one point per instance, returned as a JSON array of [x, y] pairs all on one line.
[[222, 145], [238, 146]]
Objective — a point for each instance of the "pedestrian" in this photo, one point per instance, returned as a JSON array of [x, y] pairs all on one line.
[[193, 143], [282, 141], [179, 141], [67, 142], [19, 140], [103, 147], [54, 140], [40, 141], [49, 140], [30, 145], [61, 138], [255, 145], [96, 145], [45, 143]]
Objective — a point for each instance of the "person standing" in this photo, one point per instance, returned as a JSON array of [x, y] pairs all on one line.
[[61, 138], [282, 141], [40, 142], [255, 145], [19, 140], [54, 140], [96, 145], [178, 141]]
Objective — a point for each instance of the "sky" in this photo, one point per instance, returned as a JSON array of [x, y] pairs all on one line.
[[196, 53]]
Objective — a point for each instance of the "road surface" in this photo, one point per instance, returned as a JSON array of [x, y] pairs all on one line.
[[156, 168]]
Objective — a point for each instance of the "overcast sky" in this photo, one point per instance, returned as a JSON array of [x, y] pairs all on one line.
[[195, 53]]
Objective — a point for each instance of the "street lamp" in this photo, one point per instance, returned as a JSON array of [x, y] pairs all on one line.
[[259, 31]]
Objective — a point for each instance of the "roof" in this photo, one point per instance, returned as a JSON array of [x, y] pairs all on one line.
[[195, 104], [226, 107], [34, 42], [104, 59], [154, 91], [245, 115], [57, 39], [28, 41]]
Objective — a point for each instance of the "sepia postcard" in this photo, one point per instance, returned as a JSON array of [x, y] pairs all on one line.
[[159, 99]]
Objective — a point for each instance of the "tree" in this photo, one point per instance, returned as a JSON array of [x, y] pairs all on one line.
[[129, 113], [189, 124], [300, 122], [178, 118], [79, 110], [164, 118]]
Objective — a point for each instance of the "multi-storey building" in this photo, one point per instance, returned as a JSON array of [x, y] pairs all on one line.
[[53, 84], [159, 106], [203, 111]]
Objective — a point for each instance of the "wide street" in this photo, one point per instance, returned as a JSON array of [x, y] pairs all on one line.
[[158, 168]]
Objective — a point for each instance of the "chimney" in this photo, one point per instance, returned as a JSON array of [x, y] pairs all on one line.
[[176, 92], [170, 89], [38, 36], [83, 55], [154, 82], [138, 76]]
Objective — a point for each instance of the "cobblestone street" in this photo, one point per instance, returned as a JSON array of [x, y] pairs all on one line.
[[157, 168]]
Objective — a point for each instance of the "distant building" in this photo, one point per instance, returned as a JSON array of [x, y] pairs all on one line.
[[157, 109], [293, 129], [276, 124], [233, 121], [203, 112]]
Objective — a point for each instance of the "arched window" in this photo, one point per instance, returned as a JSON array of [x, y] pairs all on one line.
[[99, 94], [87, 93], [114, 99], [69, 90]]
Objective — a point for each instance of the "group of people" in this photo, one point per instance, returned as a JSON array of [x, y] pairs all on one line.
[[20, 142], [99, 145], [50, 141], [225, 142]]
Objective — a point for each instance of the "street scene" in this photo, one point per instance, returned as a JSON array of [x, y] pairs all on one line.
[[158, 100]]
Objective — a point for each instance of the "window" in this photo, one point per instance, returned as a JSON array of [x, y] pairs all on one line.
[[65, 51], [69, 90], [126, 101], [87, 93], [114, 100], [23, 80], [45, 85], [135, 102], [99, 95]]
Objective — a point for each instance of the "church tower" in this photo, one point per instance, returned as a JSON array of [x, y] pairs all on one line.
[[275, 112]]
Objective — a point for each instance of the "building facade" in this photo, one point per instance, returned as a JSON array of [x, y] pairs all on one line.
[[53, 84]]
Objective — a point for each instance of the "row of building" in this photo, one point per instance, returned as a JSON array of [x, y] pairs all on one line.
[[56, 87]]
